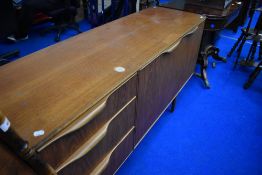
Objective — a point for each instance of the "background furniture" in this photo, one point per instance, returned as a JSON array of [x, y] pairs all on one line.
[[64, 18], [246, 32], [83, 104], [148, 3], [253, 34], [242, 16], [220, 5], [217, 19], [101, 12], [7, 13], [253, 75]]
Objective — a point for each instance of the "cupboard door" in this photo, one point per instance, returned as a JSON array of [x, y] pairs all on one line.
[[162, 79]]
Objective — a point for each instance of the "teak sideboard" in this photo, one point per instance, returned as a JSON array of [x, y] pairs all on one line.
[[82, 106]]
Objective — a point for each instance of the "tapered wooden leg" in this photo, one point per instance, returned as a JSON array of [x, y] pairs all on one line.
[[173, 105], [253, 76]]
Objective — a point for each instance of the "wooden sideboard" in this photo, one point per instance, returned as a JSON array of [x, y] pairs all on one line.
[[84, 104]]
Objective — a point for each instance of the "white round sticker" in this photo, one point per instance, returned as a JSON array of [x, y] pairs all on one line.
[[39, 133], [5, 125], [120, 69]]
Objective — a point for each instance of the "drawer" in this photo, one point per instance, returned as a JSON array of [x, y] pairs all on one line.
[[89, 157], [162, 79], [58, 150], [116, 157]]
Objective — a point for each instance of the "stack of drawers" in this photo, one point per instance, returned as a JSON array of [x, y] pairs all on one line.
[[98, 138]]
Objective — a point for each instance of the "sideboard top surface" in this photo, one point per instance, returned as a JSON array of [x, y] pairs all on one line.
[[50, 88]]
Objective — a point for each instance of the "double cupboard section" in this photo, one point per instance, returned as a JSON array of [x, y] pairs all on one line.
[[161, 80]]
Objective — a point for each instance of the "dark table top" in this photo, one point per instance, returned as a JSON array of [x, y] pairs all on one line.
[[209, 12], [7, 19], [216, 19]]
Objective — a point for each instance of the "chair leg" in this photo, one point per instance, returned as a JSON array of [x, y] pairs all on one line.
[[75, 27], [236, 44], [47, 30], [239, 50], [249, 53], [253, 76], [4, 57], [58, 35], [253, 51], [260, 51]]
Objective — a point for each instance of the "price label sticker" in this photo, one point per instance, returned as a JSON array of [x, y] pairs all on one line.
[[120, 69], [5, 125], [39, 133]]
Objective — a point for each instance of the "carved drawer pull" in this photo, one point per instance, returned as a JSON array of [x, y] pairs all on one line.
[[102, 165], [192, 31], [79, 124], [92, 142], [173, 47], [84, 149]]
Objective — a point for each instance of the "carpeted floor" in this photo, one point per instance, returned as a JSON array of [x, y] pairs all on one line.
[[211, 132], [37, 41]]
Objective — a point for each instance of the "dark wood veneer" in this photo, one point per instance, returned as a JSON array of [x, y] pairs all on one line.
[[120, 125], [74, 140], [56, 88], [161, 80]]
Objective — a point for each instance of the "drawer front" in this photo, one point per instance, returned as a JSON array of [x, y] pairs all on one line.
[[162, 79], [93, 151], [81, 131], [114, 159]]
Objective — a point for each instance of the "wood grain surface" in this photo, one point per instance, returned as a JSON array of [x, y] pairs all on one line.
[[69, 143], [51, 88]]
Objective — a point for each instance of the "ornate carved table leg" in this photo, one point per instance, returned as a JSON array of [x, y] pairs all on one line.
[[214, 51], [173, 105], [203, 61]]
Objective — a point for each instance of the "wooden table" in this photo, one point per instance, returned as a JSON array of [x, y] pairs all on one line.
[[83, 104], [216, 20]]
